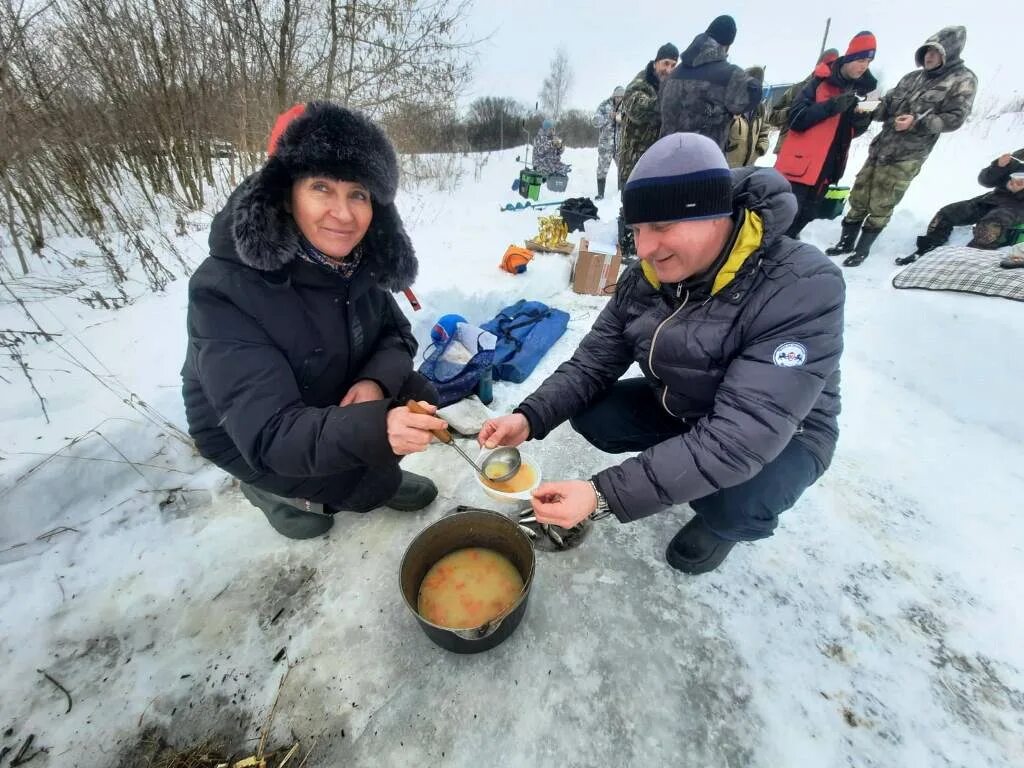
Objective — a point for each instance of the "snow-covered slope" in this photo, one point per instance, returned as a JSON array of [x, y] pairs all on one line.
[[879, 627]]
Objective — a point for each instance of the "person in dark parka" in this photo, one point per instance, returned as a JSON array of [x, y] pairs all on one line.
[[299, 359], [705, 92], [738, 331]]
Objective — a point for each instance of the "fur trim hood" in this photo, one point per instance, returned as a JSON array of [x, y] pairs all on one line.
[[256, 229]]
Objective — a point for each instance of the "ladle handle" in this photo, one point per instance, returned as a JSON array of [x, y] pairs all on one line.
[[441, 434]]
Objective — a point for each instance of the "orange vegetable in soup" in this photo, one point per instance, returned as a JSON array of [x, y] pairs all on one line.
[[469, 588], [521, 481]]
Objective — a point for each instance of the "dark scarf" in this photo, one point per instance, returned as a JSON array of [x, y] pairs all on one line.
[[344, 269]]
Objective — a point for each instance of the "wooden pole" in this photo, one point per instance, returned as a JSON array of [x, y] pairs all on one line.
[[824, 39]]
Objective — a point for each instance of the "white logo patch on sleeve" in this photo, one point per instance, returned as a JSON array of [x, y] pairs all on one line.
[[790, 355]]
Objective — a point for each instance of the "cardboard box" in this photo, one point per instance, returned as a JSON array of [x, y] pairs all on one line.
[[595, 273]]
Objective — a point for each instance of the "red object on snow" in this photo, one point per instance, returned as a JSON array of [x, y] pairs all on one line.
[[281, 125]]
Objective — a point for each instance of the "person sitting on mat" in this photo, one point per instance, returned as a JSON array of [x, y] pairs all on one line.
[[995, 215]]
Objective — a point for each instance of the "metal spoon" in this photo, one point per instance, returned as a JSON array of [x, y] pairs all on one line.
[[504, 462]]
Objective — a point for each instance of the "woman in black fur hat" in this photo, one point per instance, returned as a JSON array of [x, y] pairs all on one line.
[[299, 359]]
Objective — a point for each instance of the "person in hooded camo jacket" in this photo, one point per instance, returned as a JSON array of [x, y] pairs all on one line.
[[934, 99]]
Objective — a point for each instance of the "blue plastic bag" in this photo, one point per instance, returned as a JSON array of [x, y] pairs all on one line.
[[526, 330], [457, 365]]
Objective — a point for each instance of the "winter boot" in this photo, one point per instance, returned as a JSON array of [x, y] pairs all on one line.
[[867, 239], [600, 188], [696, 548], [924, 244], [294, 518], [847, 240], [413, 494]]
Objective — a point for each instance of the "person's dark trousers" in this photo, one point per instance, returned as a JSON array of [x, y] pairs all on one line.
[[992, 224], [358, 490], [629, 418], [808, 200]]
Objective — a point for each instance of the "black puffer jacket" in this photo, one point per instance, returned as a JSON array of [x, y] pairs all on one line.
[[275, 342], [747, 357]]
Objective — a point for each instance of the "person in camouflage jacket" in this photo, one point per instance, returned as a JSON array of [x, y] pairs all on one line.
[[705, 91], [932, 100], [547, 150], [608, 121], [996, 215], [641, 116]]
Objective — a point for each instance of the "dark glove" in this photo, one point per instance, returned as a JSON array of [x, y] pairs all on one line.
[[844, 102]]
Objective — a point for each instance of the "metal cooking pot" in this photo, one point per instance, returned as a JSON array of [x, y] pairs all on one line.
[[475, 528]]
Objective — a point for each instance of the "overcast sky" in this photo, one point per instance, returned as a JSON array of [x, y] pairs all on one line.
[[609, 42]]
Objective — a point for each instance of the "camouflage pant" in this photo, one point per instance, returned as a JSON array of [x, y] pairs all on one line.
[[877, 191], [993, 224], [605, 155]]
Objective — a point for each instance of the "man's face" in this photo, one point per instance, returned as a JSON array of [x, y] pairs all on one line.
[[663, 67], [932, 59], [854, 70], [681, 249]]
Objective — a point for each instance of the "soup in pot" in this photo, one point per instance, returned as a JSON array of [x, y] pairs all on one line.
[[468, 588]]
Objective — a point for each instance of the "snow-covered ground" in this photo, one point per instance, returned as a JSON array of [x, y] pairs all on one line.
[[879, 627]]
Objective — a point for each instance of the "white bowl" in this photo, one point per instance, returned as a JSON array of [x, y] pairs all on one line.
[[524, 495]]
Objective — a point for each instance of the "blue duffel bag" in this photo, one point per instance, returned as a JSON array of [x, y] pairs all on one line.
[[526, 331]]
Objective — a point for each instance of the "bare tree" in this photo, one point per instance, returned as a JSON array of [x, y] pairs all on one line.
[[114, 109], [554, 94]]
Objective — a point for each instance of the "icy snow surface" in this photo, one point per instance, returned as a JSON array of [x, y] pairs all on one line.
[[879, 627]]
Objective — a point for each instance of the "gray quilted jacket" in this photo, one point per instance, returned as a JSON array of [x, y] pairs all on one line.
[[746, 366]]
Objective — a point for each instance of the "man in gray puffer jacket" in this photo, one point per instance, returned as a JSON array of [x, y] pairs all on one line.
[[738, 331], [705, 92]]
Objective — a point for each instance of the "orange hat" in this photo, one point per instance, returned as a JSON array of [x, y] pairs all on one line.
[[862, 46], [283, 121], [515, 259]]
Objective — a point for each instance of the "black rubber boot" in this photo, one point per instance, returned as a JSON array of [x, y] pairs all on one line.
[[285, 516], [867, 239], [924, 244], [413, 494], [696, 548], [600, 188], [847, 240]]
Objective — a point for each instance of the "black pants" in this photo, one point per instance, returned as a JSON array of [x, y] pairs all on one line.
[[629, 418], [808, 200], [357, 490], [993, 223]]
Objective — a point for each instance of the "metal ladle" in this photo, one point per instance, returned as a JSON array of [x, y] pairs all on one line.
[[508, 458]]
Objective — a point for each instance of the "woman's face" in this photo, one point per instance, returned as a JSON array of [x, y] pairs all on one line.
[[332, 215]]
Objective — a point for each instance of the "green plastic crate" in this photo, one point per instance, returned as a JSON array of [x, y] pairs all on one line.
[[834, 203], [530, 183]]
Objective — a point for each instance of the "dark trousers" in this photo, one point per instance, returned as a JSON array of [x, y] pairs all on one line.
[[629, 418], [993, 223], [808, 200], [357, 490]]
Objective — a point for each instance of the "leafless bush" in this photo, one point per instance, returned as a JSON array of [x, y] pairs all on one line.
[[441, 172], [109, 105]]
